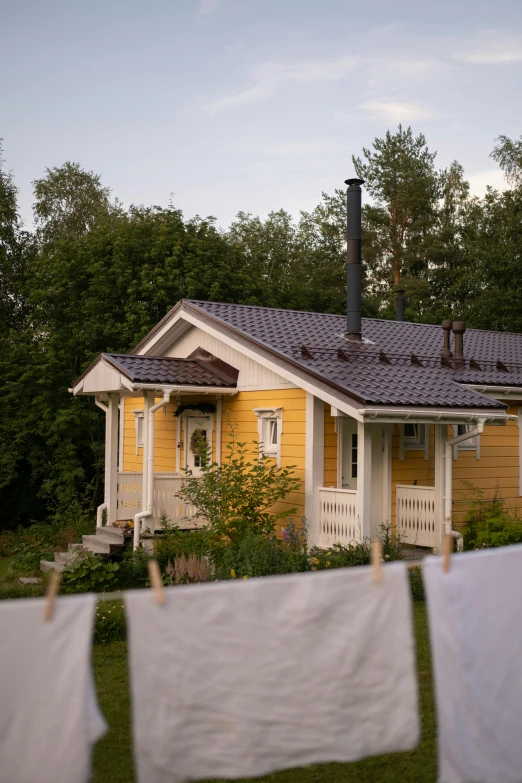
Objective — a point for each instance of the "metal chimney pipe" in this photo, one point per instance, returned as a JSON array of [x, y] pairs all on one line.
[[400, 306], [446, 351], [459, 327], [353, 260]]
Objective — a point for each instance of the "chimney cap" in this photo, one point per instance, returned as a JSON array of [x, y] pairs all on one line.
[[447, 323], [459, 327], [353, 181]]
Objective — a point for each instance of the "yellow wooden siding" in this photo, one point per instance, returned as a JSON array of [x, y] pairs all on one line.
[[330, 450], [239, 410], [164, 438], [497, 470]]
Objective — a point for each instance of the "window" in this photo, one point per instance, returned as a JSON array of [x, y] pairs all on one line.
[[472, 444], [415, 437], [138, 421], [269, 428], [353, 456]]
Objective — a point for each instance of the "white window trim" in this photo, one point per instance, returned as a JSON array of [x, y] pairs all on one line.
[[264, 415], [137, 416], [417, 444], [473, 444]]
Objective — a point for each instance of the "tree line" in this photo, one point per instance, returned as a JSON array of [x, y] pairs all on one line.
[[94, 276]]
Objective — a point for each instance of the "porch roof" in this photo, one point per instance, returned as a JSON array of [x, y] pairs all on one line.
[[115, 372]]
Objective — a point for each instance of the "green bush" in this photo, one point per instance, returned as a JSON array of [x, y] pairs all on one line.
[[490, 524], [256, 555], [133, 569], [237, 496], [110, 623], [356, 554], [89, 573], [174, 543]]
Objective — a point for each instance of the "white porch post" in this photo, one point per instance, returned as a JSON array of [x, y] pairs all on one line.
[[111, 458], [145, 450], [441, 436], [364, 479], [314, 463]]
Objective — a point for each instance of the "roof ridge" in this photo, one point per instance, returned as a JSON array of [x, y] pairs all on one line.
[[342, 315]]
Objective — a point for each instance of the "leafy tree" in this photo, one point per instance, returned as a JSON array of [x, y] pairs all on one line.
[[508, 154], [68, 202], [401, 179]]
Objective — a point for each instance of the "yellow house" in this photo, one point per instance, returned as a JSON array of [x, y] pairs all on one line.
[[386, 422], [372, 428]]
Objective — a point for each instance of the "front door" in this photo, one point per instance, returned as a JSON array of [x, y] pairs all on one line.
[[349, 454], [198, 437]]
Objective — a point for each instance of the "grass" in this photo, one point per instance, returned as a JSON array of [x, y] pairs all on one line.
[[113, 762], [10, 587]]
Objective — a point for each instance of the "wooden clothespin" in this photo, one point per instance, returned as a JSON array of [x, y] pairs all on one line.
[[376, 559], [156, 582], [52, 591], [447, 551]]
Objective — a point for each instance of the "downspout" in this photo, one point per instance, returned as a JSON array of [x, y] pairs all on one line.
[[103, 506], [448, 480], [148, 478]]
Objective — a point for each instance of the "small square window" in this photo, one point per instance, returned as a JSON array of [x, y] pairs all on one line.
[[269, 427]]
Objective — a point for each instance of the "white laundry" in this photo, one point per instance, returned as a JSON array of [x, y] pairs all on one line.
[[49, 718], [475, 622], [237, 679]]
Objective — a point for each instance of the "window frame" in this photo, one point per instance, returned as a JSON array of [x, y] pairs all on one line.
[[472, 444], [267, 420], [418, 442], [139, 419]]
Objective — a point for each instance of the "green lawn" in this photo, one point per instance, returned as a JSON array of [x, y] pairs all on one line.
[[113, 761]]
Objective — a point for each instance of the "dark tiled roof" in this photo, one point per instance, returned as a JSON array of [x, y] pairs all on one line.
[[361, 373], [164, 370]]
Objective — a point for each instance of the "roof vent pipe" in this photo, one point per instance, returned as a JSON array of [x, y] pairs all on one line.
[[459, 327], [353, 259], [400, 306], [446, 351]]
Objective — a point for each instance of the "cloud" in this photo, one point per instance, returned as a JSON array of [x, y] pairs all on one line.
[[491, 47], [397, 111], [269, 77]]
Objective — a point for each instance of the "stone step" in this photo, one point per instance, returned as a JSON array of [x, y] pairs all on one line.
[[64, 557], [110, 540], [112, 532], [51, 565], [96, 544], [75, 547]]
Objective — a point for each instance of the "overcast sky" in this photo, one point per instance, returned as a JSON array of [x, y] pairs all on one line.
[[250, 105]]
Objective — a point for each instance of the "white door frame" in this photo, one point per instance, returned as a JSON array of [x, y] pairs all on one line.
[[210, 430]]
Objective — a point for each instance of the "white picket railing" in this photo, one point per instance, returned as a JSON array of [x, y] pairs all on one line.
[[166, 485], [338, 522], [416, 522]]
